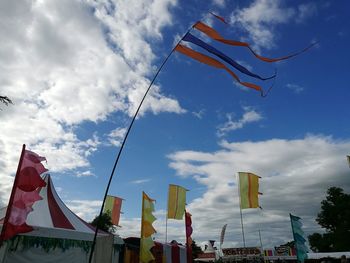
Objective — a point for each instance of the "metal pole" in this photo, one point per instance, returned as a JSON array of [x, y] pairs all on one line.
[[124, 141], [166, 228], [166, 220], [240, 210], [261, 245]]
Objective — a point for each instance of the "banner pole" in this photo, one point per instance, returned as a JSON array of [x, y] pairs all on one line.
[[240, 210]]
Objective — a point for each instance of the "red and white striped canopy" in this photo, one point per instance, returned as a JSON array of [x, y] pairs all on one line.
[[52, 218]]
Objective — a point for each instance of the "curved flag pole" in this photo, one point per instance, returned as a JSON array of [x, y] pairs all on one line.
[[125, 138]]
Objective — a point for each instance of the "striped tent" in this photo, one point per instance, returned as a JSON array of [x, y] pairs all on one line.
[[52, 218], [55, 223]]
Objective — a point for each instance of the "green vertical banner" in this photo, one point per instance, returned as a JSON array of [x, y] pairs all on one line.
[[299, 238]]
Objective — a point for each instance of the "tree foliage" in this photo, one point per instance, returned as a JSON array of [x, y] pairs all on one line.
[[104, 223], [195, 249], [335, 218]]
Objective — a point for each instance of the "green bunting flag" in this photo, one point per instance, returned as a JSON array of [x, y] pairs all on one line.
[[299, 238]]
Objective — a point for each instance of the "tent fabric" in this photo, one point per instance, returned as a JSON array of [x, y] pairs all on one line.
[[36, 254], [22, 254], [174, 253], [52, 218]]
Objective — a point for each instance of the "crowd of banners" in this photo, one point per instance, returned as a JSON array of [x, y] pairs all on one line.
[[113, 206], [299, 238], [222, 236], [24, 194], [189, 230], [146, 242], [176, 202], [213, 34], [249, 190]]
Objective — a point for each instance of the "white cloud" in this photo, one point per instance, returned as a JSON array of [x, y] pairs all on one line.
[[199, 114], [219, 3], [116, 136], [250, 115], [262, 16], [65, 62], [86, 209], [305, 11], [295, 176], [296, 88], [140, 181], [84, 174]]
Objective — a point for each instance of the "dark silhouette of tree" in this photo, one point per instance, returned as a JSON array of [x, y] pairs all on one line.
[[195, 250], [5, 100], [104, 223], [335, 218], [290, 244]]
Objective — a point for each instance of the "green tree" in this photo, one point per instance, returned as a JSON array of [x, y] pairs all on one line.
[[335, 218], [104, 223], [195, 249]]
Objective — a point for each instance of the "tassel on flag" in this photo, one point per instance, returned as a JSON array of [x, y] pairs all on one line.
[[249, 190], [176, 201], [212, 33], [24, 194], [147, 230], [219, 17], [214, 63]]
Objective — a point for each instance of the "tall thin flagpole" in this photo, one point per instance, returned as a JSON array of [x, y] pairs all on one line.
[[166, 220], [261, 245], [124, 140], [166, 229], [240, 208]]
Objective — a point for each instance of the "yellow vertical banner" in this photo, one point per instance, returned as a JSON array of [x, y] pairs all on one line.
[[249, 190], [176, 201], [146, 242]]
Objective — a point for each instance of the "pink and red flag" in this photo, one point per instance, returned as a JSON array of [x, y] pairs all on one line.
[[24, 194], [189, 230]]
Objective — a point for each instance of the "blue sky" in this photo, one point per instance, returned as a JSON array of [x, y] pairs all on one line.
[[76, 71]]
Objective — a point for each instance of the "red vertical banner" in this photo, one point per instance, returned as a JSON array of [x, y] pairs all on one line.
[[23, 195], [189, 230]]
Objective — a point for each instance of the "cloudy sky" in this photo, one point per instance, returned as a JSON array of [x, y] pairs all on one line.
[[76, 71]]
